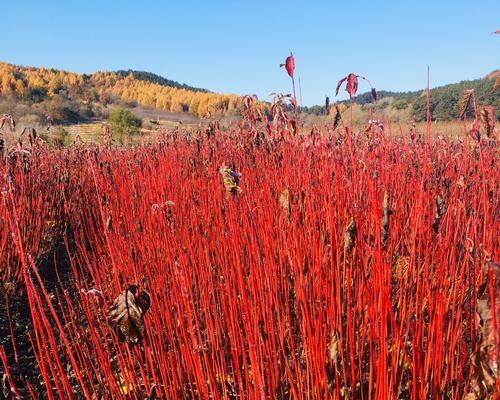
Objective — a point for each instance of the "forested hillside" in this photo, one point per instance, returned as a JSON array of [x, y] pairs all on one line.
[[70, 96], [32, 93], [445, 100]]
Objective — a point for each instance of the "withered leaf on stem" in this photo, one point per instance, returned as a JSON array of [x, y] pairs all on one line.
[[439, 212], [126, 314], [7, 119], [350, 235], [337, 118], [285, 202], [384, 234], [109, 223], [333, 348], [351, 85], [466, 101], [487, 115], [231, 179]]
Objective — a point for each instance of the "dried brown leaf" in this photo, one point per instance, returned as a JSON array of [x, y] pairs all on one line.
[[231, 179], [350, 235], [386, 212], [465, 101], [487, 115], [440, 208], [285, 202], [7, 119], [333, 348], [337, 118], [126, 314]]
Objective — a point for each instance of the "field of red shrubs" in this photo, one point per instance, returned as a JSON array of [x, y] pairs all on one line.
[[249, 262]]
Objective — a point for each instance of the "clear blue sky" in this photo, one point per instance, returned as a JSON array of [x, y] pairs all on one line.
[[236, 46]]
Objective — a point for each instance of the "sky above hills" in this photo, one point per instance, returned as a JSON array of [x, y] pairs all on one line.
[[237, 46]]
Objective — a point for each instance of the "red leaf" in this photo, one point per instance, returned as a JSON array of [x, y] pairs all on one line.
[[474, 131], [352, 84], [339, 84], [290, 65]]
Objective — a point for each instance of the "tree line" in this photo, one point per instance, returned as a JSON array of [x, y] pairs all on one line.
[[39, 84]]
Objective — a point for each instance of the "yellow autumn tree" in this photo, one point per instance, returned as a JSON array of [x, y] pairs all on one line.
[[105, 86]]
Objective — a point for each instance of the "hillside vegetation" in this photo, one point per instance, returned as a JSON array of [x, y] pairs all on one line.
[[80, 95], [31, 94], [154, 78], [444, 105]]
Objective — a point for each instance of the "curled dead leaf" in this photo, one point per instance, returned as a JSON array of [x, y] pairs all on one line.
[[333, 348], [466, 101], [440, 209], [231, 179], [487, 115], [350, 235], [285, 202], [386, 212], [126, 314], [337, 118]]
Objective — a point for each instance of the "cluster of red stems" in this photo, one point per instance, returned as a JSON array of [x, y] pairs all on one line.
[[336, 265]]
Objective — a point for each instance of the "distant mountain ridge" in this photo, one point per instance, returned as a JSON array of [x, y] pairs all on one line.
[[366, 97], [154, 78], [70, 97], [445, 100], [39, 88]]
